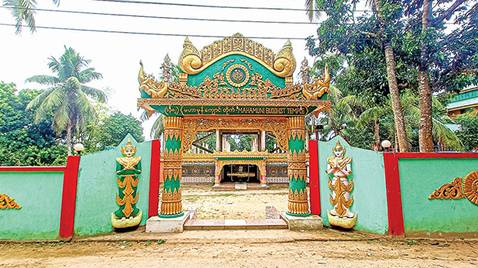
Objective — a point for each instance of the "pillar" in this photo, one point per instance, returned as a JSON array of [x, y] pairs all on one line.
[[297, 171], [263, 171], [171, 201], [263, 141], [254, 146], [218, 141]]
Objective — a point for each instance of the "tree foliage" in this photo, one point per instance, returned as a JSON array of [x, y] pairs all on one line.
[[24, 12], [68, 101], [110, 131], [352, 45], [23, 142], [468, 130]]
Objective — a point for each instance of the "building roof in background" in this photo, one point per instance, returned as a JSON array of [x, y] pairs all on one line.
[[466, 98]]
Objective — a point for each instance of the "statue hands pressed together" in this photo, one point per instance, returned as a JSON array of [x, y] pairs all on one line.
[[128, 167], [341, 187]]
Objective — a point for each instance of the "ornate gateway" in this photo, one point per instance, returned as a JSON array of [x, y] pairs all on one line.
[[230, 86]]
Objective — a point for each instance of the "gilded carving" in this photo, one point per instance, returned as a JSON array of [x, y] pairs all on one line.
[[6, 202], [341, 188], [171, 197], [128, 168], [470, 187], [190, 59], [216, 88], [459, 189], [284, 62], [149, 84], [278, 126], [237, 75], [318, 87], [298, 200], [193, 61], [448, 191]]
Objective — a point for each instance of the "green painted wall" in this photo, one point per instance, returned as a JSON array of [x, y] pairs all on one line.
[[97, 189], [418, 179], [218, 67], [370, 200], [39, 194]]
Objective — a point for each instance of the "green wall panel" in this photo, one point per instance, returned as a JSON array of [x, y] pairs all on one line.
[[39, 194], [369, 193], [219, 67], [97, 189], [418, 179]]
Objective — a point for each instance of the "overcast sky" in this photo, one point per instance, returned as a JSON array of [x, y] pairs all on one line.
[[117, 56]]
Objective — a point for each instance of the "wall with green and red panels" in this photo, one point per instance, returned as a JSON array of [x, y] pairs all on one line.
[[369, 193], [391, 190], [39, 192], [76, 199], [412, 177]]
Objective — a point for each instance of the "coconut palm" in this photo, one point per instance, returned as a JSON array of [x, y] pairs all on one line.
[[158, 127], [442, 135], [344, 110], [67, 99], [24, 12]]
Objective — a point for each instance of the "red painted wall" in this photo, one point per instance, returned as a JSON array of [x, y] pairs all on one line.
[[392, 178], [154, 178], [68, 202], [314, 177]]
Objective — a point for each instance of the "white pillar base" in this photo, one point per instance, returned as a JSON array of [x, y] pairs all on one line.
[[166, 225], [312, 222]]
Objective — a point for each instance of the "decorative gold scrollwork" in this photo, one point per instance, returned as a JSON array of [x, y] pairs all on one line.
[[193, 61], [278, 126], [237, 75], [448, 191], [459, 189], [6, 202], [470, 187], [149, 84], [319, 87]]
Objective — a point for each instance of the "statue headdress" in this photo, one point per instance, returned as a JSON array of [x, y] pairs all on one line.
[[339, 147], [128, 145]]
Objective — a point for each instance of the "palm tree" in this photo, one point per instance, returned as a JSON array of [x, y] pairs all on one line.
[[343, 112], [24, 12], [443, 136], [67, 99], [158, 127], [311, 9]]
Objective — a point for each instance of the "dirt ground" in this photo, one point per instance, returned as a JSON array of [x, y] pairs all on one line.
[[162, 253], [250, 204], [241, 248]]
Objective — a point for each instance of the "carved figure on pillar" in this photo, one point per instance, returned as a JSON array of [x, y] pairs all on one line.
[[171, 200], [128, 169], [341, 187], [304, 72], [297, 171]]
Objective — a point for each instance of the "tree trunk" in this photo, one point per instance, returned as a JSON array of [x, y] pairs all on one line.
[[68, 138], [376, 135], [403, 145], [425, 133]]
